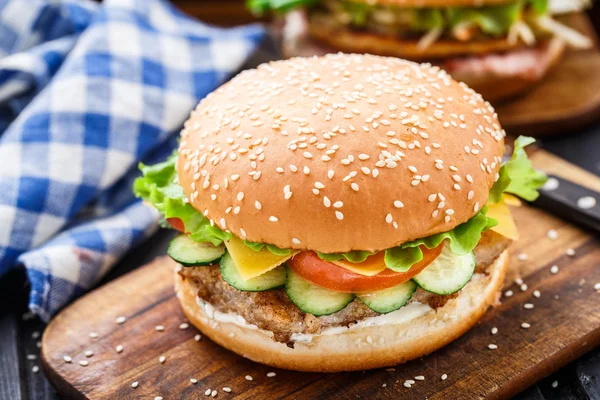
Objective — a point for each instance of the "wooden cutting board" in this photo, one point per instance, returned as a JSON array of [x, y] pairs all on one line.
[[565, 323]]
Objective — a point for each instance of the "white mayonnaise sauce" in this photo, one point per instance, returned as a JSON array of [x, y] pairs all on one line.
[[404, 314]]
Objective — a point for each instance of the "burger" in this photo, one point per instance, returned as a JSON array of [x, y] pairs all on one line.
[[339, 213], [498, 47]]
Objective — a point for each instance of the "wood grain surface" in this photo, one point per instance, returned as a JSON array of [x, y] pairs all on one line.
[[565, 323]]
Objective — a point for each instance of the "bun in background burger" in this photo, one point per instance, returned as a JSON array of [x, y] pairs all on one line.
[[339, 213]]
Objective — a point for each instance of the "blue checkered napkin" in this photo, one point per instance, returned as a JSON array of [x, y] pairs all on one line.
[[86, 92]]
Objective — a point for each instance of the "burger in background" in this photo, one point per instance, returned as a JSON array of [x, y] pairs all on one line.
[[497, 47]]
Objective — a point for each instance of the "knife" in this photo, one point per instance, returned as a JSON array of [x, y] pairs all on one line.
[[570, 201]]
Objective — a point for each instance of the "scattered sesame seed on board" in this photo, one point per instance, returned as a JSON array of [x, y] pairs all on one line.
[[554, 384], [67, 359], [93, 335], [524, 287], [213, 393], [554, 269], [193, 380], [31, 357], [249, 378], [444, 377], [119, 348], [552, 234], [420, 378], [158, 398], [197, 337], [184, 325], [120, 320], [89, 353], [227, 389], [525, 325], [528, 306], [570, 252], [162, 359], [536, 294], [522, 257], [35, 335], [84, 363], [492, 346], [135, 384], [508, 293], [207, 392], [271, 374], [159, 328], [494, 330], [35, 369]]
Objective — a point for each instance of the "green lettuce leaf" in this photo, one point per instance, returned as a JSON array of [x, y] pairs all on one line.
[[260, 7], [425, 19], [517, 176], [159, 187], [462, 239], [272, 248], [492, 20]]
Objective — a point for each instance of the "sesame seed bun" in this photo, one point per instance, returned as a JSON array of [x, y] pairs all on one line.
[[361, 348], [340, 153]]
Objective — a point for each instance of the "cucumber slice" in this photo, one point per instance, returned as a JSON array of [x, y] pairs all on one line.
[[388, 300], [448, 273], [269, 280], [314, 299], [190, 253]]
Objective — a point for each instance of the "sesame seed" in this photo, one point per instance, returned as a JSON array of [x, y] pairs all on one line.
[[227, 389], [273, 218], [407, 384], [89, 353], [552, 234], [444, 377], [354, 186], [135, 384], [525, 325], [570, 252], [162, 359], [420, 377], [84, 363], [67, 359], [249, 378], [492, 346], [524, 287], [554, 269], [197, 338], [398, 204], [31, 357], [508, 293], [470, 195], [339, 215], [158, 398], [119, 348], [338, 204], [120, 320], [494, 330], [271, 374], [207, 392], [213, 393], [35, 369], [536, 294], [306, 170], [326, 201], [159, 328], [194, 380], [528, 306], [554, 384], [93, 335], [388, 218], [184, 325]]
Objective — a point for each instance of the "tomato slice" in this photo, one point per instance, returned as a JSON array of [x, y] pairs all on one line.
[[176, 223], [325, 274]]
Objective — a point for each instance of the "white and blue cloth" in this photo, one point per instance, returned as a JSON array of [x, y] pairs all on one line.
[[88, 90]]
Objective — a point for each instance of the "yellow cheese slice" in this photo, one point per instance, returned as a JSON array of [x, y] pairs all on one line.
[[252, 263], [506, 224], [511, 200], [371, 266]]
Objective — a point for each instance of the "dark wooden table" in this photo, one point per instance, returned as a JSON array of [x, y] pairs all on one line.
[[21, 379]]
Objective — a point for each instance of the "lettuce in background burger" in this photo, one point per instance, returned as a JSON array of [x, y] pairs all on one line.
[[339, 213], [498, 47]]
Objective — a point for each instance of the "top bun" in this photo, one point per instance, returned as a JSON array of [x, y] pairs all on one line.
[[340, 153]]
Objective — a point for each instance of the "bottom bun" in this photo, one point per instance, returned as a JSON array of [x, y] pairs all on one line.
[[356, 348]]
